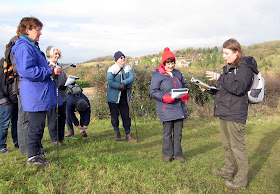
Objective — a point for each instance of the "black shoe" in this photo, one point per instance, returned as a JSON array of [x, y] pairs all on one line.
[[38, 160], [233, 186], [16, 145], [4, 150]]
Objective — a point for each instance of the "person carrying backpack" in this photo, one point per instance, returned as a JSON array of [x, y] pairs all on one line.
[[231, 106], [8, 111], [77, 102]]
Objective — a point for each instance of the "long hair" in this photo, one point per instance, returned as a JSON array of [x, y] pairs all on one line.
[[28, 23], [234, 45]]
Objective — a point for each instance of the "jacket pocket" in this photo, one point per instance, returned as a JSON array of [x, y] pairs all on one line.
[[44, 94]]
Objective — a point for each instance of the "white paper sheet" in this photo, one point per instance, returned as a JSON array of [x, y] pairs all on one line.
[[179, 93]]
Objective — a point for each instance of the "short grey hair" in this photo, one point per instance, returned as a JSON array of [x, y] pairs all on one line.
[[50, 51]]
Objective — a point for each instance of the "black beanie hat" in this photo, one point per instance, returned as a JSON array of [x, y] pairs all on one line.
[[118, 54], [82, 105]]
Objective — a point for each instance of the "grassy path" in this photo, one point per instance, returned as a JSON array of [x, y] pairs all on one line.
[[98, 164]]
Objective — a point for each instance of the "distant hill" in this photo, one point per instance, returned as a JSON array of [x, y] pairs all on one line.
[[267, 54]]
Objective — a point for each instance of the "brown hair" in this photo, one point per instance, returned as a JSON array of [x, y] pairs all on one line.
[[28, 23], [172, 60], [234, 45]]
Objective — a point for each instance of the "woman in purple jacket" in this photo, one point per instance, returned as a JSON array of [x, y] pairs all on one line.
[[171, 112], [38, 89]]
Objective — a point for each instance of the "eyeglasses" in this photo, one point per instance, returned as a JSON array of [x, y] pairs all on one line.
[[170, 63], [122, 57]]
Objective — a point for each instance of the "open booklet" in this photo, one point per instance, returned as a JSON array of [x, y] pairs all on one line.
[[202, 84], [179, 93]]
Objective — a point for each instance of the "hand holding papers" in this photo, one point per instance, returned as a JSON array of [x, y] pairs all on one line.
[[179, 93], [202, 84]]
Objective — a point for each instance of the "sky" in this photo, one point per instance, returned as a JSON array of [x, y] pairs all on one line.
[[86, 29]]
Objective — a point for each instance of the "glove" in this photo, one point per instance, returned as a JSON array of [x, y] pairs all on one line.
[[122, 86], [167, 99], [185, 98], [62, 87], [129, 86], [212, 75]]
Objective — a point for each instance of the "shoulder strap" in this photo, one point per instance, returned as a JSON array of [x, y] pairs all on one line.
[[118, 72]]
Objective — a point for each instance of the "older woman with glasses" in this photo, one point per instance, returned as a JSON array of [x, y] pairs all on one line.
[[38, 89], [171, 111]]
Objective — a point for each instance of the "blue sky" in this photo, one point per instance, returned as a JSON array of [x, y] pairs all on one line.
[[85, 29]]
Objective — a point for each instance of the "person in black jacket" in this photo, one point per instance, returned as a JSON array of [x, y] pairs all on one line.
[[8, 111], [53, 54], [231, 106]]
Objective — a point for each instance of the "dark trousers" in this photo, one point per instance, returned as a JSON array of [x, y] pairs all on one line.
[[52, 123], [14, 123], [69, 123], [171, 139], [123, 109], [35, 132], [22, 127]]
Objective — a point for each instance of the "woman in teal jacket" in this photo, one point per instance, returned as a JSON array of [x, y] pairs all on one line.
[[38, 89]]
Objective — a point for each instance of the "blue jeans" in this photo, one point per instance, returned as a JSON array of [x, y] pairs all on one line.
[[6, 114]]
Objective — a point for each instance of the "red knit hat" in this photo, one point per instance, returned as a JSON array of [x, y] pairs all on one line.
[[167, 54]]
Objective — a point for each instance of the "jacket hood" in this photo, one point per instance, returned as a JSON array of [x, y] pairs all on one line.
[[161, 69], [250, 62]]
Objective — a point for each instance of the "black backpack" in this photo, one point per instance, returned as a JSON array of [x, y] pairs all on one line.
[[9, 68], [74, 89]]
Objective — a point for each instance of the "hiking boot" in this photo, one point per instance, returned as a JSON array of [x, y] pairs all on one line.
[[4, 150], [180, 159], [83, 134], [118, 136], [130, 138], [233, 186], [219, 172], [38, 160], [69, 134], [167, 159]]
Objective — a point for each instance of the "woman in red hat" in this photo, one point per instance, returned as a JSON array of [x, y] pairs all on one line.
[[171, 111]]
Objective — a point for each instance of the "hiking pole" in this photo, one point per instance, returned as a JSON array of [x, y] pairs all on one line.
[[72, 65], [134, 118], [57, 145]]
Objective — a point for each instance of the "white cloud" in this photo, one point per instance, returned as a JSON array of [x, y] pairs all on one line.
[[86, 29]]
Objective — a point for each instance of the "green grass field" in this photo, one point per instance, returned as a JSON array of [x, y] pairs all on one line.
[[98, 164]]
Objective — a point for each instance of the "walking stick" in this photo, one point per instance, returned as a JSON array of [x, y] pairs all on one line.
[[134, 118], [57, 145]]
